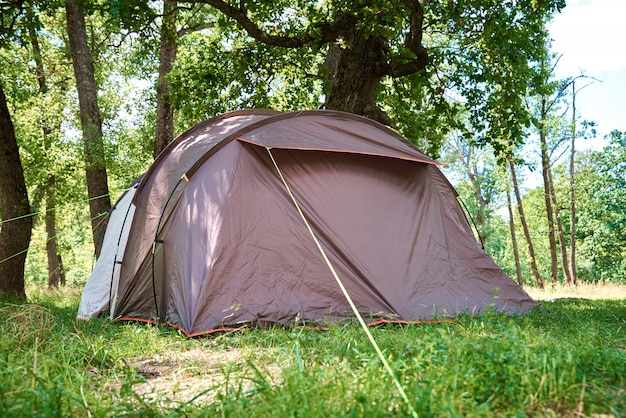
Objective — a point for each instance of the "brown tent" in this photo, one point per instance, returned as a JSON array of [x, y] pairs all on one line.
[[216, 236]]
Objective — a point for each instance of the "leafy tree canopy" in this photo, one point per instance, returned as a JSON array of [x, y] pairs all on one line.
[[408, 64]]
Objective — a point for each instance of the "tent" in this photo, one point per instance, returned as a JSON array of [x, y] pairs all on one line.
[[221, 230]]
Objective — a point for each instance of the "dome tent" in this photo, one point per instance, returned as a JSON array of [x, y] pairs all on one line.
[[215, 235]]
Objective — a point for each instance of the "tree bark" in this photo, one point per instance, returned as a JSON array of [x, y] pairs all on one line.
[[356, 76], [552, 209], [95, 165], [167, 56], [522, 217], [359, 62], [16, 226]]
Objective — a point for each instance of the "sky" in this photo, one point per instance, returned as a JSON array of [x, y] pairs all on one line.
[[590, 36]]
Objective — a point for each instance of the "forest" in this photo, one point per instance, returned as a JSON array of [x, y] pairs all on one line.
[[91, 91]]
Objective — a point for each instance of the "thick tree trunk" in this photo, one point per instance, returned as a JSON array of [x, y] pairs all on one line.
[[56, 273], [167, 56], [545, 170], [95, 166], [522, 217], [355, 79], [572, 192], [518, 267], [16, 226], [356, 68]]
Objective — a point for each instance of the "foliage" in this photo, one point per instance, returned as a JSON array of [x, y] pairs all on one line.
[[481, 54], [46, 122], [478, 180], [490, 53], [601, 220], [484, 56], [213, 74], [564, 360]]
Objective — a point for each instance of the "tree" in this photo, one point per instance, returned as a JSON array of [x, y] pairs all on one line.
[[359, 51], [572, 178], [479, 167], [572, 190], [56, 272], [15, 230], [359, 54], [520, 209], [552, 130], [518, 267], [547, 187], [95, 166], [167, 56]]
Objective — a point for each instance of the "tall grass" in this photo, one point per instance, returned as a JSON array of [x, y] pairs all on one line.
[[565, 360], [583, 290]]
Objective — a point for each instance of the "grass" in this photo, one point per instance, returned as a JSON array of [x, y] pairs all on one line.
[[583, 290], [566, 360]]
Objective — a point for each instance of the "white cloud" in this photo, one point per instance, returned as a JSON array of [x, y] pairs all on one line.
[[591, 36]]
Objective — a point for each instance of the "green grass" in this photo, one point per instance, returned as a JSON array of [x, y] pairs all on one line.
[[567, 360]]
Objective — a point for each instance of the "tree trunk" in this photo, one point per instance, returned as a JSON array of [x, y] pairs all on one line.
[[572, 193], [559, 227], [545, 169], [518, 267], [355, 70], [529, 243], [95, 165], [16, 226], [56, 273], [167, 56]]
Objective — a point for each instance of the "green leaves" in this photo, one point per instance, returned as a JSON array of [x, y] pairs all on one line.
[[133, 16], [220, 70], [490, 50], [601, 223]]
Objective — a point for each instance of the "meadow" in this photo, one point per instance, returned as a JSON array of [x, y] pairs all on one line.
[[567, 359]]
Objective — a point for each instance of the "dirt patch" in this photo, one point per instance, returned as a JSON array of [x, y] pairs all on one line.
[[197, 375]]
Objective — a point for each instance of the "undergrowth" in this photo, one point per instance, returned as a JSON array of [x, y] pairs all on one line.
[[566, 360]]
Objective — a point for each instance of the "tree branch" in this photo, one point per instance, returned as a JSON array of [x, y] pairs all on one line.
[[413, 42], [183, 31], [240, 15]]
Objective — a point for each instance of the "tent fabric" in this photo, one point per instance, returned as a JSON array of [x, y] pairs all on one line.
[[100, 289], [216, 241]]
